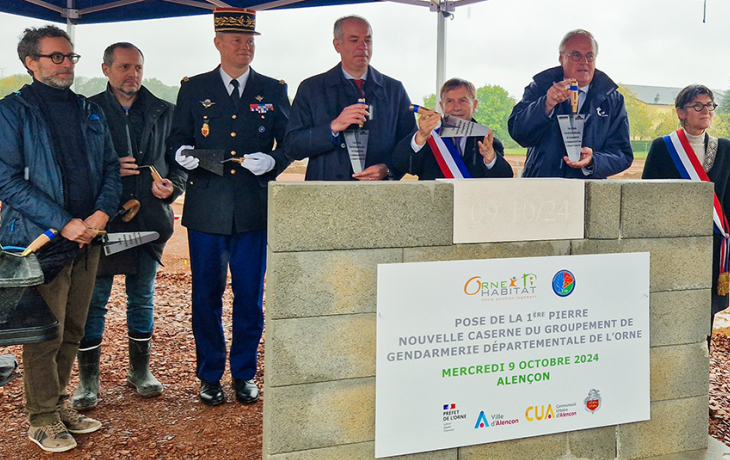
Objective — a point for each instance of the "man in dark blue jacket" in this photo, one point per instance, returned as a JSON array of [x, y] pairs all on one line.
[[58, 170], [326, 112], [534, 120]]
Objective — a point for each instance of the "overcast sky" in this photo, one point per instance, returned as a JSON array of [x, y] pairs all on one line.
[[499, 42]]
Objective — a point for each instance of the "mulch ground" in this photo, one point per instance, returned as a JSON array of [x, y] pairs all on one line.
[[174, 425]]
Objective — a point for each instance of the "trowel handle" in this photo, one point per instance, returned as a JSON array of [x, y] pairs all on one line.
[[38, 243], [419, 110], [156, 175]]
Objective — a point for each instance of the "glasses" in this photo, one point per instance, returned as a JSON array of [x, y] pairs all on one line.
[[699, 107], [576, 56], [58, 58]]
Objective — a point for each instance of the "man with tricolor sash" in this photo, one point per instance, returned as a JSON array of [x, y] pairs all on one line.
[[429, 156], [691, 153]]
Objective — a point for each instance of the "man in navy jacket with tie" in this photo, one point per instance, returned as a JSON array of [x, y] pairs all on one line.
[[243, 113], [326, 106]]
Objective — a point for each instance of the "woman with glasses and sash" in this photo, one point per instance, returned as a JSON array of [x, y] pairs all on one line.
[[691, 153]]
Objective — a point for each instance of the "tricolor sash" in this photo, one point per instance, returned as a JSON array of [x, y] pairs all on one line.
[[448, 158], [689, 167]]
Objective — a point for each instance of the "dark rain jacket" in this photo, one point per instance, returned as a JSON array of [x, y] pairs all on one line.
[[154, 214], [606, 130], [31, 184], [321, 98]]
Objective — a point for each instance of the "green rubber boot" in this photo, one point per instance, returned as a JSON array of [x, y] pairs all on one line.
[[139, 375], [85, 396]]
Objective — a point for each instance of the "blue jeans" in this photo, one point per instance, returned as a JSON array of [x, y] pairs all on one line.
[[211, 256], [140, 296]]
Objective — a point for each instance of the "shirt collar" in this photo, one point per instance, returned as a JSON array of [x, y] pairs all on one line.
[[350, 77], [241, 80]]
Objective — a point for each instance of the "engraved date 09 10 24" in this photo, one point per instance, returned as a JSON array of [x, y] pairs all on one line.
[[519, 211]]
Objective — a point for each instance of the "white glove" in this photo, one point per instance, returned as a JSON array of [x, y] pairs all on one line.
[[258, 163], [187, 162]]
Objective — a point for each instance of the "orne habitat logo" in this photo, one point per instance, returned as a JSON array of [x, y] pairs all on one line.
[[514, 287]]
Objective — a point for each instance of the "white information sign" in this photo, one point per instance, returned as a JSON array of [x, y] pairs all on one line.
[[488, 210], [472, 352]]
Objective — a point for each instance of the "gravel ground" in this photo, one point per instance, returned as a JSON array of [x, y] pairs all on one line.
[[175, 425]]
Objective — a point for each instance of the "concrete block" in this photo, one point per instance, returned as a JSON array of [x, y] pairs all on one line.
[[715, 451], [360, 451], [549, 447], [301, 284], [680, 371], [652, 209], [307, 350], [595, 443], [676, 425], [603, 209], [680, 317], [317, 415], [487, 251], [677, 264], [313, 216]]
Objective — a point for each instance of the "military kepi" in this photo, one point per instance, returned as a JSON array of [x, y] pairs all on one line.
[[235, 20]]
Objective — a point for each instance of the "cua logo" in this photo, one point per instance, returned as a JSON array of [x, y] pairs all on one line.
[[539, 413]]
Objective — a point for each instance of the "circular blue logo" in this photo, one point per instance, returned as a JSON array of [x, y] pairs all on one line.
[[563, 283]]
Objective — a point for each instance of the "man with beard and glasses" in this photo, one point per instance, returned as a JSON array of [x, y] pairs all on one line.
[[58, 170], [139, 123]]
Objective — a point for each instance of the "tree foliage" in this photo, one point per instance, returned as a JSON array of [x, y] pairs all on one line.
[[13, 83], [721, 125], [724, 103], [668, 123], [161, 90], [640, 118], [90, 86], [494, 108]]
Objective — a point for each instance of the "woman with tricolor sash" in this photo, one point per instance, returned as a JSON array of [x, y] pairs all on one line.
[[691, 153]]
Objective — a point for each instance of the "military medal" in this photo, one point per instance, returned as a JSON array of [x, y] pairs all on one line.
[[261, 108], [205, 130]]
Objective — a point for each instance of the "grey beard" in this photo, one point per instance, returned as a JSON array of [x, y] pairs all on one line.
[[53, 83], [128, 93]]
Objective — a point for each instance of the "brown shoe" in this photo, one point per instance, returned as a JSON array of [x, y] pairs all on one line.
[[77, 423], [52, 438]]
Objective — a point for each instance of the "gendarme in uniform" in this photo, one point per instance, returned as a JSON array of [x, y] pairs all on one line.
[[243, 113]]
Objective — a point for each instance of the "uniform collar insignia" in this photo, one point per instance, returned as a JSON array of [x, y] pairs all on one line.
[[207, 103]]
